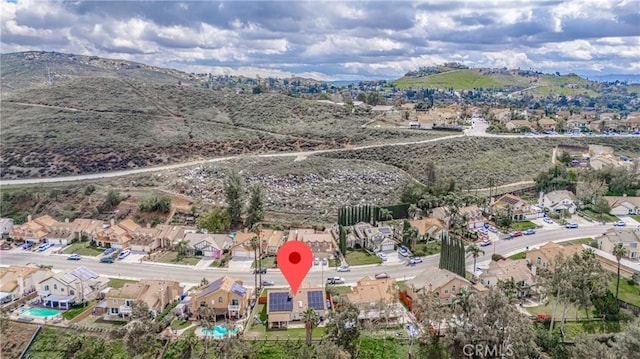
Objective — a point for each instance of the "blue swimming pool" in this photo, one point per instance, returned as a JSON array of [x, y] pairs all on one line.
[[40, 312], [219, 331]]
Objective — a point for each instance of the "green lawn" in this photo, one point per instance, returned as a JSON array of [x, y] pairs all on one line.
[[402, 284], [180, 324], [586, 240], [83, 249], [522, 225], [574, 329], [628, 293], [520, 255], [427, 248], [342, 289], [635, 217], [268, 262], [172, 257], [359, 257], [262, 332], [572, 312], [220, 263], [117, 283], [72, 313], [596, 217]]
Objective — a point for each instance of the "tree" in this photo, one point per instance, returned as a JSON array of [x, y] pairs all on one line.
[[452, 256], [342, 234], [182, 248], [385, 214], [217, 220], [139, 310], [255, 211], [589, 191], [490, 322], [233, 192], [414, 211], [627, 344], [4, 320], [587, 346], [310, 320], [619, 250], [601, 208], [474, 251], [343, 326]]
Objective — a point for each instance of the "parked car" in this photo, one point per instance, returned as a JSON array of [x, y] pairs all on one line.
[[44, 246], [381, 276], [403, 251], [267, 283], [344, 269], [529, 232], [316, 261], [108, 251], [124, 254], [106, 260], [382, 256], [74, 257], [415, 260], [27, 245], [260, 271], [619, 224], [485, 243], [335, 280], [548, 220], [571, 225], [493, 229], [516, 234]]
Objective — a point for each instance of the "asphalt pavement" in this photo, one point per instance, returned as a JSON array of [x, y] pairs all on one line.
[[192, 275]]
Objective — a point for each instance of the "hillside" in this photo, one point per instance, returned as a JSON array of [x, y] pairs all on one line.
[[32, 69], [497, 79], [97, 124]]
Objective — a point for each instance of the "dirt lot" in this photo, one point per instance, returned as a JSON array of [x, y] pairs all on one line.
[[15, 340]]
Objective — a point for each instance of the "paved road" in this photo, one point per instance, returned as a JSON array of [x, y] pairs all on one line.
[[192, 275]]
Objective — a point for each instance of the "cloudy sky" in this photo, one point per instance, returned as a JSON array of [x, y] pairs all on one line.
[[331, 40]]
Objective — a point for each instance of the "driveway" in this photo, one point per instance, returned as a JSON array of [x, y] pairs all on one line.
[[132, 258], [629, 221], [240, 265]]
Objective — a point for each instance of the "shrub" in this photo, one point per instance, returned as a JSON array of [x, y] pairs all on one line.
[[153, 204]]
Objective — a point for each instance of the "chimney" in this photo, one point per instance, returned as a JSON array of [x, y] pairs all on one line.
[[29, 218], [113, 222]]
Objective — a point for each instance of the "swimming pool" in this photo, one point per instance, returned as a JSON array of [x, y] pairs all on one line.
[[40, 312], [219, 332]]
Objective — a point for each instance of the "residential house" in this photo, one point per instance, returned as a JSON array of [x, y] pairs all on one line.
[[226, 296], [274, 240], [446, 285], [520, 210], [607, 160], [507, 270], [88, 227], [63, 290], [559, 201], [545, 255], [6, 225], [321, 244], [207, 245], [19, 281], [283, 308], [473, 213], [518, 125], [62, 233], [34, 230], [116, 235], [547, 124], [298, 233], [429, 228], [242, 248], [170, 235], [383, 109], [623, 205], [157, 294], [577, 125], [376, 239], [145, 239], [628, 237], [376, 298]]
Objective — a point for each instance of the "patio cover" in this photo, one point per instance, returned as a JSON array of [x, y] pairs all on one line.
[[60, 298], [4, 295]]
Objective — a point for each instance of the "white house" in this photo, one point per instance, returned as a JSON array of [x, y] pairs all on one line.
[[18, 281], [65, 289], [623, 205], [558, 201]]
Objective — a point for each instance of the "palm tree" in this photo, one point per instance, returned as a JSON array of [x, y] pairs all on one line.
[[386, 214], [619, 251], [310, 320], [254, 245], [474, 251], [414, 211]]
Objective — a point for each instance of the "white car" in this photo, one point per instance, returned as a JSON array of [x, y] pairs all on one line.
[[415, 260], [382, 256], [619, 224], [124, 254], [344, 269], [335, 280]]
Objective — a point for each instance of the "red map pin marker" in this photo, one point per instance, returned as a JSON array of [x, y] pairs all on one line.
[[294, 261]]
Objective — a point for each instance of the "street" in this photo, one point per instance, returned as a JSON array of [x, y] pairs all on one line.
[[191, 275]]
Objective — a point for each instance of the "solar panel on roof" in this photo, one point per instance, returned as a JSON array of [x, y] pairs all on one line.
[[212, 287], [315, 299], [84, 274], [238, 289], [280, 302], [510, 200], [384, 230]]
